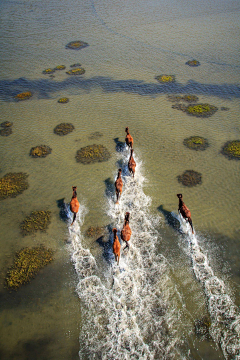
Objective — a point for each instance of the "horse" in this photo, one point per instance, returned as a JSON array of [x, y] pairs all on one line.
[[128, 138], [118, 185], [131, 164], [74, 204], [126, 231], [116, 246], [184, 211]]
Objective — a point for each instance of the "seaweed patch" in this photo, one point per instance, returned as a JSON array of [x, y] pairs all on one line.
[[92, 153], [7, 128], [37, 220], [23, 96], [63, 100], [63, 129], [40, 151], [60, 67], [77, 71], [231, 149], [196, 143], [193, 63], [27, 263], [164, 79], [190, 178], [13, 184], [76, 45], [48, 71]]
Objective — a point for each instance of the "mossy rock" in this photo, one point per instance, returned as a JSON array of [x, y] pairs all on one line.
[[202, 327], [48, 71], [76, 45], [193, 63], [27, 263], [165, 79], [60, 67], [13, 184], [23, 96], [37, 220], [95, 231], [6, 131], [63, 129], [190, 178], [201, 110], [75, 65], [92, 153], [63, 100], [95, 135], [6, 124], [196, 143], [77, 71], [231, 149], [40, 151]]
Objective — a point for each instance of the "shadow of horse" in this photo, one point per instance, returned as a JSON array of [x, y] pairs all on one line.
[[120, 145], [110, 187], [107, 245], [63, 213], [171, 220]]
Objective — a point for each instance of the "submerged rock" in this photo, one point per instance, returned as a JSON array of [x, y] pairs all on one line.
[[92, 153], [165, 78], [13, 184], [23, 96], [192, 63], [63, 129], [40, 151], [37, 220], [196, 143], [190, 178], [231, 149], [76, 45], [27, 263]]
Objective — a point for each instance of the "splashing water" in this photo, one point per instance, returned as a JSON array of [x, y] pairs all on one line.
[[126, 314], [225, 317]]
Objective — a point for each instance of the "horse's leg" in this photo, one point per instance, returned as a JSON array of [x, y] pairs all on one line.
[[74, 217]]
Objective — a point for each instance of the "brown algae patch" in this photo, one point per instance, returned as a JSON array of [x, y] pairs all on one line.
[[27, 263], [63, 129], [37, 220], [92, 153], [13, 184], [48, 71], [23, 96], [193, 63], [60, 67], [76, 45], [190, 178], [77, 71], [164, 79], [40, 151], [196, 143], [7, 128], [63, 100], [231, 149]]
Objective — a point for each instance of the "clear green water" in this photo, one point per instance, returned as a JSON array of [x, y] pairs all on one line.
[[129, 44]]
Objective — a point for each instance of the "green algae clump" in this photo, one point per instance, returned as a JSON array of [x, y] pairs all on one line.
[[231, 149], [63, 129], [190, 178], [23, 96], [196, 143], [40, 151], [63, 100], [48, 71], [37, 220], [77, 71], [13, 184], [60, 67], [193, 63], [92, 153], [76, 45], [27, 264], [164, 79], [201, 110]]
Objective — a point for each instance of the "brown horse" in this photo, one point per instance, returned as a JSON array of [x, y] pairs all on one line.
[[126, 231], [184, 211], [116, 246], [131, 164], [74, 204], [118, 185], [128, 138]]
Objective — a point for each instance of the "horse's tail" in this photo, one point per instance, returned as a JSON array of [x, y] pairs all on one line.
[[190, 222], [74, 217]]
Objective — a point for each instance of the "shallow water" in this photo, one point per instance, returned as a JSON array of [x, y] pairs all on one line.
[[129, 44]]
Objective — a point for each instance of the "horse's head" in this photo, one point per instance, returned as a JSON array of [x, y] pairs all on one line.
[[179, 196]]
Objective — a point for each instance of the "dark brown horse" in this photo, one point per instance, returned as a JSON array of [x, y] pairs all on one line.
[[118, 185], [184, 211], [116, 246], [128, 138], [74, 204], [126, 231], [131, 164]]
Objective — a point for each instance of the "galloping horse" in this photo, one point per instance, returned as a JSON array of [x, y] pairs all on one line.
[[128, 138], [74, 204], [131, 164], [126, 231], [116, 246], [184, 211], [118, 185]]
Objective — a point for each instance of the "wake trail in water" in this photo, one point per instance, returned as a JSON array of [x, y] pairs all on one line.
[[225, 317], [126, 314]]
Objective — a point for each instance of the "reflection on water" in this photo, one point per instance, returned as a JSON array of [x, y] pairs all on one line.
[[151, 312]]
